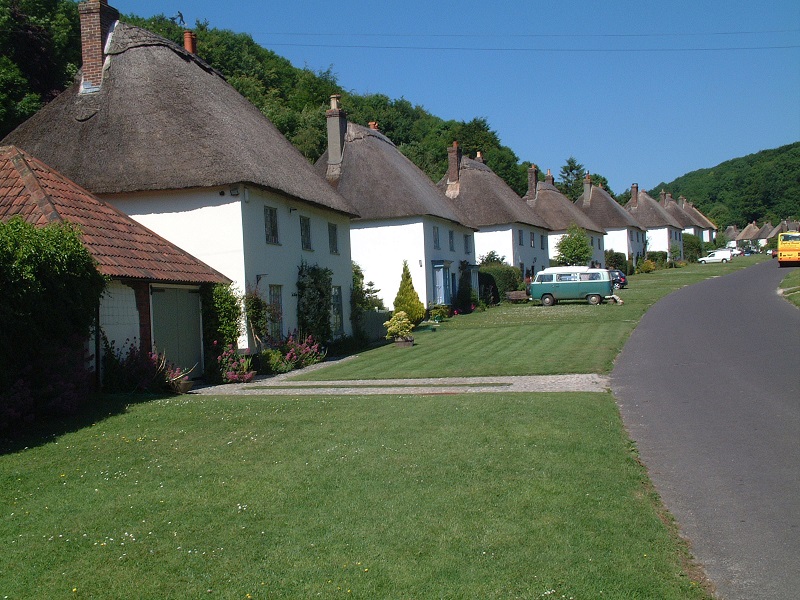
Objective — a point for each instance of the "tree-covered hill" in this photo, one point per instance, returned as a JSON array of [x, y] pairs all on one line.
[[40, 54], [764, 186]]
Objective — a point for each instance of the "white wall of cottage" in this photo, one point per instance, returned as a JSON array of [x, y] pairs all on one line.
[[380, 247], [660, 239], [504, 240], [619, 240], [227, 232], [598, 246]]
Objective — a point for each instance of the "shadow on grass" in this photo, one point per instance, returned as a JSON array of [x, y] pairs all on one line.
[[102, 407]]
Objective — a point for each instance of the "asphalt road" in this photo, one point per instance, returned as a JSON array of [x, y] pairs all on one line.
[[709, 388]]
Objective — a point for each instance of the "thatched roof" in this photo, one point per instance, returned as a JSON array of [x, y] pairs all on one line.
[[381, 183], [749, 233], [485, 199], [121, 246], [555, 209], [783, 227], [164, 120], [699, 218], [649, 212], [681, 216], [601, 208], [731, 232]]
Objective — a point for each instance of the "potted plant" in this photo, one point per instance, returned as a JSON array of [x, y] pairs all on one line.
[[399, 329]]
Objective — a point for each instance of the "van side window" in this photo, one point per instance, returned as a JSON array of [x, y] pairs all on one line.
[[544, 278], [567, 277]]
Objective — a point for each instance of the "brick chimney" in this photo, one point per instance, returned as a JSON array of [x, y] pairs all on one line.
[[337, 128], [97, 23], [453, 163], [479, 157], [634, 194], [190, 41], [549, 178], [533, 181], [374, 125], [662, 195]]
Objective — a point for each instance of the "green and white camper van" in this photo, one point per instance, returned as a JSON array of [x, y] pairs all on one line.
[[571, 283]]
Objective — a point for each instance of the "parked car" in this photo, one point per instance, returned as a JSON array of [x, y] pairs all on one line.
[[716, 256], [571, 283], [772, 252], [618, 278], [737, 252]]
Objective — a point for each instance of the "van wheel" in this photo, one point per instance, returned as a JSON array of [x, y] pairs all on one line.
[[594, 299], [548, 300], [724, 260]]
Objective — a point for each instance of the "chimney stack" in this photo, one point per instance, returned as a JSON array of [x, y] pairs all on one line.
[[663, 197], [190, 41], [373, 125], [97, 22], [453, 163], [549, 177], [587, 189], [533, 181], [634, 194], [479, 157], [337, 128]]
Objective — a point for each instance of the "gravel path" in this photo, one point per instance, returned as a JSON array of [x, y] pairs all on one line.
[[283, 385]]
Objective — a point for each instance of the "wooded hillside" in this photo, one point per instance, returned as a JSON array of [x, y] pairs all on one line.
[[40, 54], [764, 186]]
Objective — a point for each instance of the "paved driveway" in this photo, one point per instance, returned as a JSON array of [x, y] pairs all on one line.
[[709, 388]]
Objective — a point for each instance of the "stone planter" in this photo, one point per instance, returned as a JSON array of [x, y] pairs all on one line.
[[183, 386], [404, 343]]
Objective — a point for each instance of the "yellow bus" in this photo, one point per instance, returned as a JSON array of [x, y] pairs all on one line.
[[789, 248]]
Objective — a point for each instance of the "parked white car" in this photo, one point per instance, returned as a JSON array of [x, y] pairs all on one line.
[[717, 256]]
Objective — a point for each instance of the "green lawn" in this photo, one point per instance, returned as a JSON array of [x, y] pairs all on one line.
[[525, 339], [791, 287], [440, 496]]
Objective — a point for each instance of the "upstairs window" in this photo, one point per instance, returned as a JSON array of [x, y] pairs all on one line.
[[271, 224], [436, 245], [519, 237], [533, 239], [451, 238], [333, 238], [467, 244], [305, 232]]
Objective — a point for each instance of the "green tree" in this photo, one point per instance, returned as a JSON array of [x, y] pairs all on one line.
[[571, 179], [407, 299], [492, 258], [574, 247], [692, 247]]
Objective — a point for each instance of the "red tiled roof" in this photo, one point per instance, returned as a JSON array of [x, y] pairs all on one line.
[[121, 246]]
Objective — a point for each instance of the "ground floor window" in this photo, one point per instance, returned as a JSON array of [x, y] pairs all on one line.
[[276, 322], [337, 312]]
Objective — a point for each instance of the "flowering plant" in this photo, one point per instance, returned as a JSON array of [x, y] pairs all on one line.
[[235, 368]]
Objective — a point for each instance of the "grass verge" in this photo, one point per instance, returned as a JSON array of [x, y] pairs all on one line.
[[791, 287], [525, 339], [463, 496]]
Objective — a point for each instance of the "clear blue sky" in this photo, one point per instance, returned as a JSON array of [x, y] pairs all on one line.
[[637, 91]]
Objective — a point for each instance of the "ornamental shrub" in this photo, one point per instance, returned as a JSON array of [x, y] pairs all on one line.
[[616, 260], [407, 299], [574, 247], [505, 278], [222, 314], [646, 266]]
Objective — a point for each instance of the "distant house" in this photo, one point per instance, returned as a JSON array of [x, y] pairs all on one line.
[[731, 233], [754, 235], [559, 213], [505, 223], [159, 133], [663, 231], [708, 230], [686, 220], [783, 227], [153, 295], [403, 215], [623, 232]]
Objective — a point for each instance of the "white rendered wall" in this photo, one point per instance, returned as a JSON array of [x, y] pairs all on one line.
[[227, 232], [598, 254], [619, 240], [504, 240], [379, 248]]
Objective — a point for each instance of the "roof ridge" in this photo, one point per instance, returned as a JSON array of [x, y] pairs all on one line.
[[34, 188]]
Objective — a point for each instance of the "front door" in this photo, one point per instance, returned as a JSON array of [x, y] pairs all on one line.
[[177, 326]]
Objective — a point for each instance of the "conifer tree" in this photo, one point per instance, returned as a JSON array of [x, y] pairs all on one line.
[[407, 298]]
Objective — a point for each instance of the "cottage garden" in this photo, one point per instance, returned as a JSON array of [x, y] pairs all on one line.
[[466, 495]]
